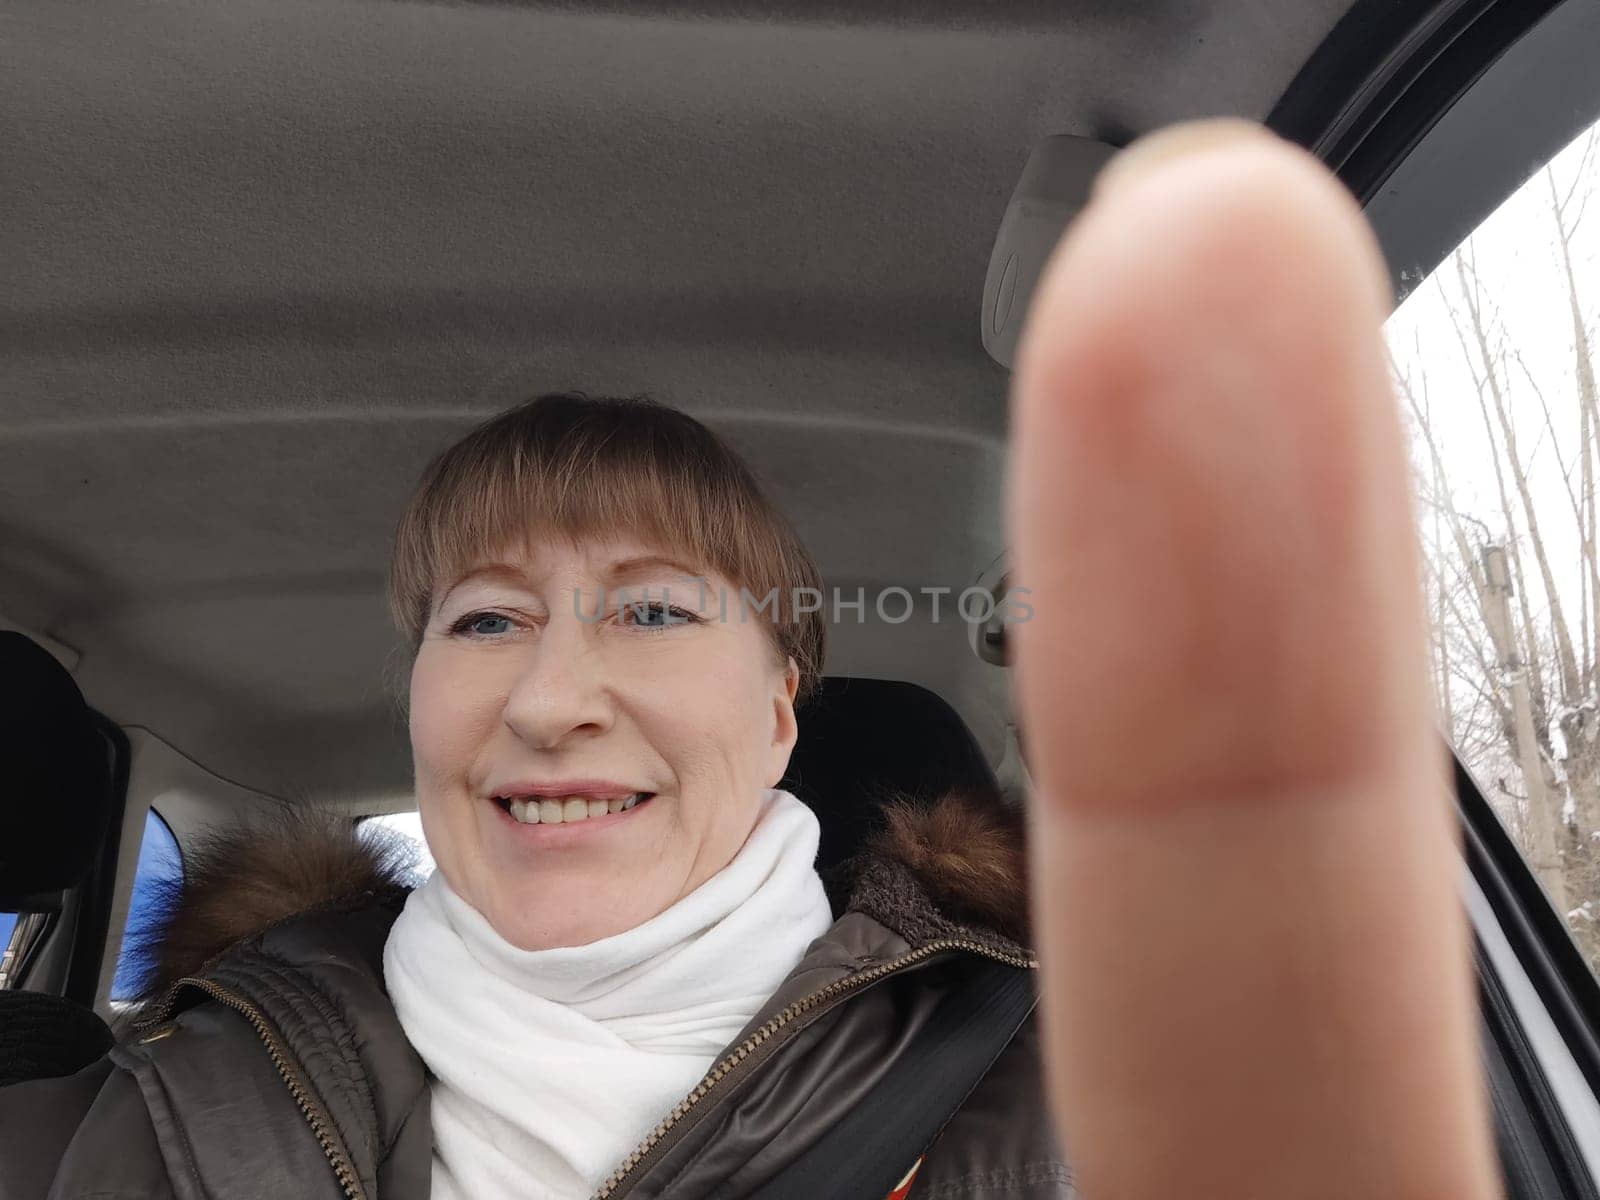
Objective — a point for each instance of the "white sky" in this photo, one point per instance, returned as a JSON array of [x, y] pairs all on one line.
[[409, 824], [1524, 298]]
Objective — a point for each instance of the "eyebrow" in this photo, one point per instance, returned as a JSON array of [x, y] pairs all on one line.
[[644, 564], [493, 570], [625, 568]]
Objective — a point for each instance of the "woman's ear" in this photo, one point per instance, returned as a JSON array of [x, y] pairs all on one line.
[[786, 728]]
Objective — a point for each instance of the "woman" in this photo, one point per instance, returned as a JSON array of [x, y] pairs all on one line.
[[625, 976], [1237, 772]]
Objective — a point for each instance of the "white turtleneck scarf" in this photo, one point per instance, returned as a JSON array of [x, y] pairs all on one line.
[[550, 1066]]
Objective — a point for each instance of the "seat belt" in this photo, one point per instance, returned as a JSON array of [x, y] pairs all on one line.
[[864, 1156]]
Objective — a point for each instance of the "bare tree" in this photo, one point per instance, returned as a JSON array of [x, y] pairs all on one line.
[[1516, 614], [1487, 576]]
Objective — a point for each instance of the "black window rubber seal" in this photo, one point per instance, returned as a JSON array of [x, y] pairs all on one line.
[[1385, 75]]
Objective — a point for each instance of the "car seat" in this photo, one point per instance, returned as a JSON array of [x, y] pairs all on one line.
[[57, 780], [863, 741]]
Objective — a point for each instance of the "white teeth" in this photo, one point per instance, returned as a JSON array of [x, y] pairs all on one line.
[[554, 811]]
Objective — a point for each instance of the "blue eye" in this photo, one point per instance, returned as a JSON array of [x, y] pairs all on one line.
[[477, 624], [653, 614]]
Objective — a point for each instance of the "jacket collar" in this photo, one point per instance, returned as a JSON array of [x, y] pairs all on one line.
[[955, 867]]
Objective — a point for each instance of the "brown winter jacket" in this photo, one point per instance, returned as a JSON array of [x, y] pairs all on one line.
[[270, 1062]]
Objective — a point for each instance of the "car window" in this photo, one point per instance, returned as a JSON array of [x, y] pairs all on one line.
[[156, 881], [409, 826], [1495, 359]]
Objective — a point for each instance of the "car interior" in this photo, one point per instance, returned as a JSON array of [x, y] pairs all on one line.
[[264, 260]]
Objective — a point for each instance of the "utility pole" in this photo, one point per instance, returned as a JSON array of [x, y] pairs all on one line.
[[1544, 853]]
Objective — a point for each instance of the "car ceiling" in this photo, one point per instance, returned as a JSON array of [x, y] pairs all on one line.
[[264, 259]]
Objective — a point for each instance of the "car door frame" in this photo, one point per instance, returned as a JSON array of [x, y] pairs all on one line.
[[1433, 114]]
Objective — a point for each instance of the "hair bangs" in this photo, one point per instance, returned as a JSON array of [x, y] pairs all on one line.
[[597, 470]]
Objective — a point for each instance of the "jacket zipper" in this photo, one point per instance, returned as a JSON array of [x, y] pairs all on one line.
[[283, 1059], [637, 1162]]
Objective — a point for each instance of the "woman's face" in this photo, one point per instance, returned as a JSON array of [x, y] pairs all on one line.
[[561, 674]]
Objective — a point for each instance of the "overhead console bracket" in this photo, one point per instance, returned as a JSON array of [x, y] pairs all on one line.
[[1054, 187]]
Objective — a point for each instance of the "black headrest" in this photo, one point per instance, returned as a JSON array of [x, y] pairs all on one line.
[[863, 740], [55, 773]]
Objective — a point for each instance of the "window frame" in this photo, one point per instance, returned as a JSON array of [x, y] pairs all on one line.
[[1467, 101]]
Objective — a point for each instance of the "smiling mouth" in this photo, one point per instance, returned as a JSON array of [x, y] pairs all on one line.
[[566, 810]]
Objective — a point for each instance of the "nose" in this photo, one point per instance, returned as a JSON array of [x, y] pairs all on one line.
[[561, 692]]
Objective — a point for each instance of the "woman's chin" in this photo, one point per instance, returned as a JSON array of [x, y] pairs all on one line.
[[552, 886]]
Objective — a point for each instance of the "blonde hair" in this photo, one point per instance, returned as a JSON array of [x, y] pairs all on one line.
[[570, 466]]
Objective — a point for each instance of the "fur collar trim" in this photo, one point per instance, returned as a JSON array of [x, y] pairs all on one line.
[[956, 866], [280, 864]]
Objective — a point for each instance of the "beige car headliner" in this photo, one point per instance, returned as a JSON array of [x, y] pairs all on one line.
[[263, 258]]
